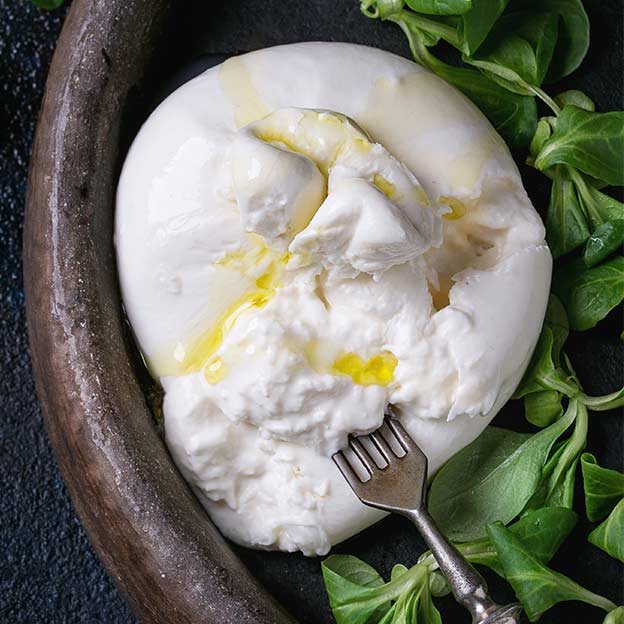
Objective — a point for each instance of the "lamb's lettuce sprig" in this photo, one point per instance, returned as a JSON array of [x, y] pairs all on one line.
[[519, 553], [358, 594], [506, 499], [537, 586], [550, 378], [507, 51], [604, 498], [514, 45]]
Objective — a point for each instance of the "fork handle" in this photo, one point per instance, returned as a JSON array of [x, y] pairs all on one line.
[[467, 585]]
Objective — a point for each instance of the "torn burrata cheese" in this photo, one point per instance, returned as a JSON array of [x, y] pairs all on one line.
[[305, 235]]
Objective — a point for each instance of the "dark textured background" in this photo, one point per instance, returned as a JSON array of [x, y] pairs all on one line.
[[48, 572]]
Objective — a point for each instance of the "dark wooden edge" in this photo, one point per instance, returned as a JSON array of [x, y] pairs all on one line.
[[146, 526]]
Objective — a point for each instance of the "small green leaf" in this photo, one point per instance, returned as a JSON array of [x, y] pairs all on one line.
[[437, 584], [603, 488], [541, 531], [566, 224], [589, 294], [573, 34], [573, 41], [354, 603], [440, 7], [599, 207], [347, 580], [575, 97], [491, 479], [609, 536], [477, 23], [540, 367], [606, 239], [427, 612], [448, 496], [406, 607], [590, 142], [557, 320], [519, 49], [540, 29], [539, 588], [556, 487], [615, 617], [542, 134], [543, 408], [355, 570], [544, 371], [561, 494], [398, 570]]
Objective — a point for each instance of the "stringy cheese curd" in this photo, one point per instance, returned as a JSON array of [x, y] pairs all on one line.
[[306, 234]]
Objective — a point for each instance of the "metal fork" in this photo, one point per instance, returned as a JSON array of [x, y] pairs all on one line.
[[399, 487]]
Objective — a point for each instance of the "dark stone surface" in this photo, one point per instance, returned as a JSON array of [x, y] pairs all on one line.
[[48, 571]]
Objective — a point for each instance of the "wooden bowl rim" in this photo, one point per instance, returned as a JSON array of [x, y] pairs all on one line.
[[146, 526]]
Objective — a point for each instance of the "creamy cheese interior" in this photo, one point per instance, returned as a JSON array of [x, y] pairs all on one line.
[[306, 234]]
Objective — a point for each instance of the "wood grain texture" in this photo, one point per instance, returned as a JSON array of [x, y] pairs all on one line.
[[147, 527]]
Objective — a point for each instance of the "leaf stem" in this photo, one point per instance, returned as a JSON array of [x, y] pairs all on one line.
[[542, 95], [574, 446], [406, 582], [588, 200], [603, 403], [474, 548], [448, 33], [418, 49], [365, 7], [554, 382], [597, 600]]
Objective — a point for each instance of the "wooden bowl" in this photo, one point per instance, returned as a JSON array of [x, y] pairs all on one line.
[[146, 526]]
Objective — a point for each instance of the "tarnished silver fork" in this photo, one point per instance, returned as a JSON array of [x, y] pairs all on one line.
[[399, 487]]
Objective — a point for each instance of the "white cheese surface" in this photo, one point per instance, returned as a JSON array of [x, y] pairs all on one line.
[[306, 234]]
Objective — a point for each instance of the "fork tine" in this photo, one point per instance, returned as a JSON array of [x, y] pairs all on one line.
[[381, 445], [358, 448], [401, 435], [347, 471]]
